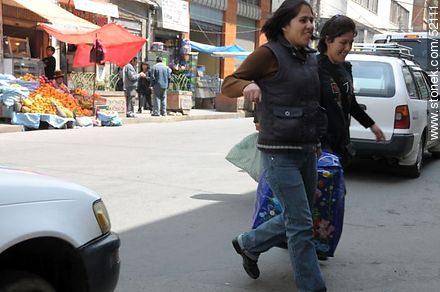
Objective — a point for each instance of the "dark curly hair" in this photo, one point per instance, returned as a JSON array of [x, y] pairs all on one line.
[[333, 28], [282, 16]]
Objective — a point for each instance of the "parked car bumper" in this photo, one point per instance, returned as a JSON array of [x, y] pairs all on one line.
[[101, 262], [399, 146]]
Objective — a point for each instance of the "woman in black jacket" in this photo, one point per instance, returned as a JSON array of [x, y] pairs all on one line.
[[337, 94], [144, 89]]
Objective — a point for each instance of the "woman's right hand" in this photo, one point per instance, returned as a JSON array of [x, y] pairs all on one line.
[[252, 92]]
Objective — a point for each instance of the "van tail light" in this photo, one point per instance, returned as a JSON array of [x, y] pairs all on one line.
[[401, 117]]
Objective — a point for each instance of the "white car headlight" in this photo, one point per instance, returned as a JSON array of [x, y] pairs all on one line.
[[101, 215]]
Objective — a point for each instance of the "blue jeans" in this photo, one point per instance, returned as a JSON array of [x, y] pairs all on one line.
[[159, 101], [292, 177]]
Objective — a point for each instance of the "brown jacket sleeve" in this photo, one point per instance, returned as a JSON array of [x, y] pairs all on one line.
[[261, 64]]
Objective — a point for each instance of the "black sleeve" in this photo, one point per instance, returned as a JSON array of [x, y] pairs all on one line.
[[360, 115]]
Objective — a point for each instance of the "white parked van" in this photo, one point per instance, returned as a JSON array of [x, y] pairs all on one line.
[[421, 45]]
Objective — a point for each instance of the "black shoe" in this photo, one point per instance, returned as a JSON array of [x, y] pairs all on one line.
[[249, 265], [322, 256]]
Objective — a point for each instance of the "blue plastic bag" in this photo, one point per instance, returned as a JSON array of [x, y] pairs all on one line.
[[266, 205], [109, 119]]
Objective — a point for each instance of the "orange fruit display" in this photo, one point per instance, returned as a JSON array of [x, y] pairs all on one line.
[[41, 101]]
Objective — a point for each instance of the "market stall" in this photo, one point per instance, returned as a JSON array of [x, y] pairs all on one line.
[[34, 100]]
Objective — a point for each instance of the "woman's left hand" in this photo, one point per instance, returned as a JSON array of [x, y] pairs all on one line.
[[378, 133]]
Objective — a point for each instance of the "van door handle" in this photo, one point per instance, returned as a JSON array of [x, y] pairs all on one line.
[[363, 106]]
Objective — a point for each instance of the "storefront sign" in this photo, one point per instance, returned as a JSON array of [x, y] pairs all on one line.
[[97, 7], [175, 15]]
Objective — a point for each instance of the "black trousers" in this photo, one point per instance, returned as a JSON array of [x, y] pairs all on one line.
[[145, 100]]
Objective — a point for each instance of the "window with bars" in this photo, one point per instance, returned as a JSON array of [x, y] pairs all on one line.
[[399, 15], [253, 2], [369, 4]]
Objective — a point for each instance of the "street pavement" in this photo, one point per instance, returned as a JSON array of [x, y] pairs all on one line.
[[177, 203]]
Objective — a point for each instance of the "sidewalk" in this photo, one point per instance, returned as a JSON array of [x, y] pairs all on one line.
[[195, 114]]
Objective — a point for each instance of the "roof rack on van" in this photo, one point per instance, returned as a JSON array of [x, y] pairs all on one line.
[[387, 49]]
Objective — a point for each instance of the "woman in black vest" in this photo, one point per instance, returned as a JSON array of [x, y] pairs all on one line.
[[144, 89], [282, 77], [337, 94]]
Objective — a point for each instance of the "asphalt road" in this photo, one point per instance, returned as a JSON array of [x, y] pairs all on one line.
[[177, 203]]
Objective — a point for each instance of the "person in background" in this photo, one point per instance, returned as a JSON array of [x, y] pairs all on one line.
[[144, 89], [160, 80], [337, 93], [120, 82], [49, 63], [282, 77], [131, 78], [58, 82]]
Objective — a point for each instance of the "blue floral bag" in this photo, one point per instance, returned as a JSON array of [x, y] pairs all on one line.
[[328, 206]]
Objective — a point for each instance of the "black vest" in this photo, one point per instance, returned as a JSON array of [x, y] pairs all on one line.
[[290, 114]]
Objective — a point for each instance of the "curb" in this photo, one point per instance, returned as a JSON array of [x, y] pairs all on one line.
[[147, 118], [8, 128]]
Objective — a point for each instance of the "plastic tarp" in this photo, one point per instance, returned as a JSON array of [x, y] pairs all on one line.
[[32, 121], [204, 48], [119, 44]]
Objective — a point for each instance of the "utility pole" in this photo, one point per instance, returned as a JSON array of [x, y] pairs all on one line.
[[1, 38], [316, 5]]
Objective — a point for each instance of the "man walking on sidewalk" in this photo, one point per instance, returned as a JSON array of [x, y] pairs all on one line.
[[160, 79]]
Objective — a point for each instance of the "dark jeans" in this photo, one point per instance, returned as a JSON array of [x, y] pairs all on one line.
[[145, 100]]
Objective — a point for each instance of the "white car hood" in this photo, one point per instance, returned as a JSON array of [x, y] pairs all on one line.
[[17, 186]]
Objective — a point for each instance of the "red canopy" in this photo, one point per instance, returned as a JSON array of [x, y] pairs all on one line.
[[119, 44]]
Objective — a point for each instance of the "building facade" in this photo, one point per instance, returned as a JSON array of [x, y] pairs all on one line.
[[423, 14], [392, 15]]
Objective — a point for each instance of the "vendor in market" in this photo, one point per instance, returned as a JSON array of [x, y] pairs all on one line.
[[58, 82], [49, 63]]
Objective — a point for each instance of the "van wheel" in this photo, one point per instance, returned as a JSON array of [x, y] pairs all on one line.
[[19, 281], [415, 170]]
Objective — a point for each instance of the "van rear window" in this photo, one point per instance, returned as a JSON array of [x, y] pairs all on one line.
[[373, 79]]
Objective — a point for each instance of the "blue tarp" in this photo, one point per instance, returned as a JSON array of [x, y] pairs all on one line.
[[33, 120], [204, 48]]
